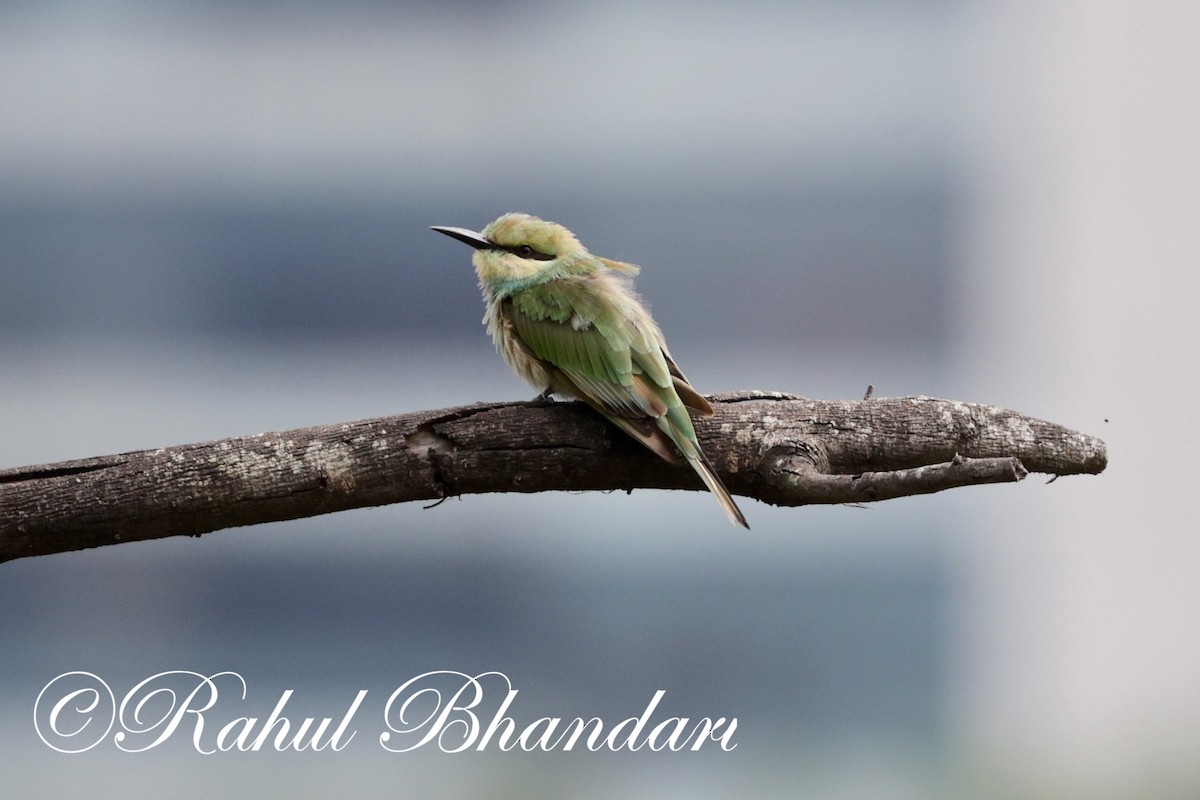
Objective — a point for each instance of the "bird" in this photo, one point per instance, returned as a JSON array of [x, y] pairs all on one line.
[[570, 324]]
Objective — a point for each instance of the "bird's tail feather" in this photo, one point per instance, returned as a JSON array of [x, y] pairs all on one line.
[[707, 474], [665, 439], [677, 425]]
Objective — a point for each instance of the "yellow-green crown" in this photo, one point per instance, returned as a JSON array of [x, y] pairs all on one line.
[[514, 230]]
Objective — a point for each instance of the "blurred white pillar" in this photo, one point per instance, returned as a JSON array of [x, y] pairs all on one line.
[[1079, 301]]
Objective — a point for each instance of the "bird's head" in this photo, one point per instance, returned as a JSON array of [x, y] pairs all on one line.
[[517, 247]]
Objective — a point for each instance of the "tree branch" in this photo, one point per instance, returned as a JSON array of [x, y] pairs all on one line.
[[778, 448]]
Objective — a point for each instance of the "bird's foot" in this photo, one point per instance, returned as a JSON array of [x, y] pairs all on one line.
[[542, 399]]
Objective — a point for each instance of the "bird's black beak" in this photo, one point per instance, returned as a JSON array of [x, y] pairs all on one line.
[[472, 238]]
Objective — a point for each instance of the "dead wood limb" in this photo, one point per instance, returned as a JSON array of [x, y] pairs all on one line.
[[778, 448]]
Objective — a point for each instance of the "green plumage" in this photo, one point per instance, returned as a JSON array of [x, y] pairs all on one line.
[[569, 322]]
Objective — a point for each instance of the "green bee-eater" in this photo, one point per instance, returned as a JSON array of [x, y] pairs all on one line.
[[570, 324]]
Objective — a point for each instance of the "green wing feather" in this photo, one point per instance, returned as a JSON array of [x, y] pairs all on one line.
[[613, 358], [615, 363]]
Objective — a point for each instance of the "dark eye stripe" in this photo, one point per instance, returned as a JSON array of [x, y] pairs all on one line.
[[525, 251]]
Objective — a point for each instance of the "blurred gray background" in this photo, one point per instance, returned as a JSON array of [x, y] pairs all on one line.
[[214, 222]]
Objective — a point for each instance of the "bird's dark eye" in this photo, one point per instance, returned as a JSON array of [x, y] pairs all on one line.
[[526, 251]]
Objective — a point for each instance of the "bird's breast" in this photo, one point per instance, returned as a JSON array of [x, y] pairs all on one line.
[[512, 350]]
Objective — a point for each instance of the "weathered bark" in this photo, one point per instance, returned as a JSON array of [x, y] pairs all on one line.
[[777, 448]]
